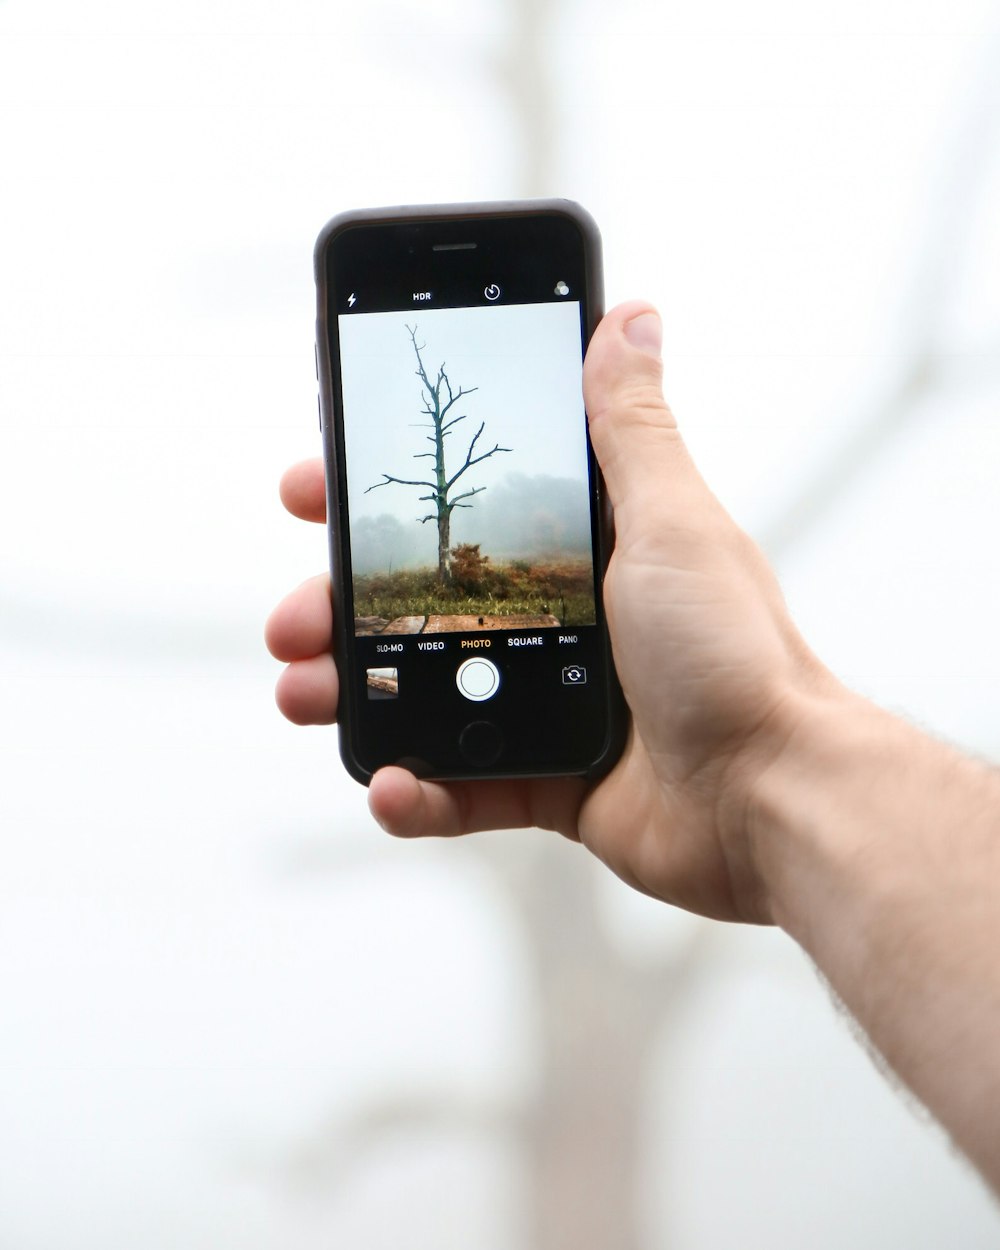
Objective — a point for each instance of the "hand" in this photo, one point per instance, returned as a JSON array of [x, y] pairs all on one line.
[[708, 658]]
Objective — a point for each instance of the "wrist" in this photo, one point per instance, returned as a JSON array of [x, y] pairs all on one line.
[[853, 818], [788, 828]]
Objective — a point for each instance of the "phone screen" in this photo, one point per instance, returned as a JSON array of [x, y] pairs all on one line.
[[467, 501], [468, 481]]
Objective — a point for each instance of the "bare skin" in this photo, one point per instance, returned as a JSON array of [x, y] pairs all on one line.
[[754, 787]]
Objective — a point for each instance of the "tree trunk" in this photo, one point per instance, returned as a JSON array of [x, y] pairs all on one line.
[[444, 545], [583, 1143]]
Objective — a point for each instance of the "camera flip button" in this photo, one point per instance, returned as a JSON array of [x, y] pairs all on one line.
[[478, 679]]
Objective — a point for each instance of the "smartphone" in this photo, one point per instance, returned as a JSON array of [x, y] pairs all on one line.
[[468, 527]]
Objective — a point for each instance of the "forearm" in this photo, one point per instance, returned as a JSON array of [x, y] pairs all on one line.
[[879, 851]]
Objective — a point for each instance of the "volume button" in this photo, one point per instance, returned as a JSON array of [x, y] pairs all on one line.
[[319, 413]]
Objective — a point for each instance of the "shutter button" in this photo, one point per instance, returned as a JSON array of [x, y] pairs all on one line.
[[478, 679]]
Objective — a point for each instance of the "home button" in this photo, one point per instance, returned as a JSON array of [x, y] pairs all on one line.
[[481, 743]]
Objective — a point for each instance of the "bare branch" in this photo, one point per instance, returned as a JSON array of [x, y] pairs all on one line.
[[401, 481], [457, 396], [421, 371], [339, 1147], [455, 503], [470, 460], [963, 173]]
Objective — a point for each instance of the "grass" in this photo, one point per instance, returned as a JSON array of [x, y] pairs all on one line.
[[563, 588]]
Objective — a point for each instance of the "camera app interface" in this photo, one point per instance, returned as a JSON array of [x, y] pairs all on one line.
[[467, 474]]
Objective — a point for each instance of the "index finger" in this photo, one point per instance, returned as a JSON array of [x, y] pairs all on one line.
[[303, 490]]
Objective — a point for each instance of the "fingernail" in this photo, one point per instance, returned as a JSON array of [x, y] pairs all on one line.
[[646, 333]]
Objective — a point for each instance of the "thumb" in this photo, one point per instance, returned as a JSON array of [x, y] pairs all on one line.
[[634, 433]]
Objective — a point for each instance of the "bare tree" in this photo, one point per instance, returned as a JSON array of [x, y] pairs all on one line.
[[439, 398]]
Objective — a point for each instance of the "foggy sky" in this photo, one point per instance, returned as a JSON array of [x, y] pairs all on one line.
[[524, 361]]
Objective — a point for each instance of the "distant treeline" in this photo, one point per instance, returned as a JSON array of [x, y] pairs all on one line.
[[519, 517]]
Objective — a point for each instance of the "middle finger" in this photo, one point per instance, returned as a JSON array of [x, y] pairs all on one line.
[[301, 626]]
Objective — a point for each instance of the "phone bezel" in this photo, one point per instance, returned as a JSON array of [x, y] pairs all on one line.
[[441, 217]]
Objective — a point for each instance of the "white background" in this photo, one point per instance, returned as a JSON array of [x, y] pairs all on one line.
[[232, 1011]]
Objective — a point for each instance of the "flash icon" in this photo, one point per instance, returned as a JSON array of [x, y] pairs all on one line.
[[350, 300]]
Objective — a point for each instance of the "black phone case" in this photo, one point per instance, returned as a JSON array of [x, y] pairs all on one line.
[[336, 500]]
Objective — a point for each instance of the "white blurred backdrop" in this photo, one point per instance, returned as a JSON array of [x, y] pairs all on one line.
[[231, 1011]]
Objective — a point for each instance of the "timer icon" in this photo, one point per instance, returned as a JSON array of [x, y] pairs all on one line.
[[492, 292]]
